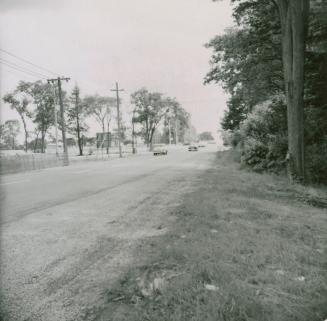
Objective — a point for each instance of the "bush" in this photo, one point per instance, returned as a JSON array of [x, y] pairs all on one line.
[[263, 137], [254, 154], [262, 140], [231, 138], [316, 163]]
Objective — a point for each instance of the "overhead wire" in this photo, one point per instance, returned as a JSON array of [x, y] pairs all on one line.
[[38, 74], [29, 62], [18, 75], [21, 69]]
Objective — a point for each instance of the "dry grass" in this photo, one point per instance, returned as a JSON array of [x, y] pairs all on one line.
[[260, 247]]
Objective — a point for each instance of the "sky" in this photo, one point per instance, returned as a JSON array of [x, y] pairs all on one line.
[[145, 43]]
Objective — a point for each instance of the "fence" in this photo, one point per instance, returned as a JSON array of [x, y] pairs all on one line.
[[27, 162]]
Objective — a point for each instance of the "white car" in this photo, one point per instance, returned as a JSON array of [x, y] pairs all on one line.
[[160, 150]]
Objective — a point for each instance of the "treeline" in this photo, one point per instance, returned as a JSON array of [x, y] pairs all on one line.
[[248, 61], [152, 108], [35, 103]]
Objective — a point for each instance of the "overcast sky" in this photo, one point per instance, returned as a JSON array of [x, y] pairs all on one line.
[[153, 43]]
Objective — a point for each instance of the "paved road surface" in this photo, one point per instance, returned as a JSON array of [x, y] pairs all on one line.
[[67, 233]]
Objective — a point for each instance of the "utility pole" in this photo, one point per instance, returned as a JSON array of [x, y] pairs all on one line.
[[108, 124], [62, 114], [78, 128], [133, 132], [117, 90], [55, 116]]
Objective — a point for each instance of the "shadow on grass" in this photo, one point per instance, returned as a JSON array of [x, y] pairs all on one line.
[[237, 251]]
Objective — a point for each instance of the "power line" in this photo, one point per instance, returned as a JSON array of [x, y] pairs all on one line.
[[21, 68], [28, 62], [23, 71], [13, 72]]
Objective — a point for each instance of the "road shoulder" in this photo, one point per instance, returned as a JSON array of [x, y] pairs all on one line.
[[243, 246]]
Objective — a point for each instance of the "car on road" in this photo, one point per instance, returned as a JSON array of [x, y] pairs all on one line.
[[160, 150], [192, 148]]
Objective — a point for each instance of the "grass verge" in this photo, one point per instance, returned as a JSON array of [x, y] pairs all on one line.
[[244, 246]]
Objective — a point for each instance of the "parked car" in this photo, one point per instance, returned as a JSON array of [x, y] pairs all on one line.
[[192, 148], [160, 150]]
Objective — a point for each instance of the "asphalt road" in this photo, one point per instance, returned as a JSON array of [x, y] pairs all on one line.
[[67, 233]]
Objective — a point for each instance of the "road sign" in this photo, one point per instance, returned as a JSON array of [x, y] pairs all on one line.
[[103, 140]]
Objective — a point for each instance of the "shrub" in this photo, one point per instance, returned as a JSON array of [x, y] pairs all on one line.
[[262, 140], [231, 138], [316, 163], [263, 137]]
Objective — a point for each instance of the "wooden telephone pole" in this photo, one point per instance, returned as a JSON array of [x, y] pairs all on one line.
[[55, 117], [62, 115], [117, 90]]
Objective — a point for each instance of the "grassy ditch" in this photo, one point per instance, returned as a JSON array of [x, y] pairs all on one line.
[[244, 246]]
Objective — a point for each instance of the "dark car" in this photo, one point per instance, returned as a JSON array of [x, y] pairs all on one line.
[[160, 150], [193, 148]]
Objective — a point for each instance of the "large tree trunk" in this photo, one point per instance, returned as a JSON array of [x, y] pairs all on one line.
[[147, 133], [294, 15], [103, 133], [151, 132], [26, 133], [79, 140], [78, 128], [36, 141], [42, 141]]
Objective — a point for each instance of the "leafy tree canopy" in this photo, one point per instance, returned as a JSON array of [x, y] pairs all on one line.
[[206, 136]]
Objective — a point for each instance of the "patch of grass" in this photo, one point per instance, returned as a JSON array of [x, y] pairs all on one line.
[[262, 251]]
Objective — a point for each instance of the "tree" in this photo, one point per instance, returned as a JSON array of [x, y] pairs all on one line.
[[19, 101], [177, 118], [9, 131], [35, 144], [76, 114], [43, 116], [100, 108], [2, 131], [281, 25], [149, 110], [294, 16], [316, 76], [206, 136], [247, 61]]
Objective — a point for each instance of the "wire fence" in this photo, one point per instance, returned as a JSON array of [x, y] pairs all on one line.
[[22, 162], [26, 162]]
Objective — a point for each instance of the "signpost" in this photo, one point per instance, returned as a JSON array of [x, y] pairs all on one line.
[[103, 139]]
